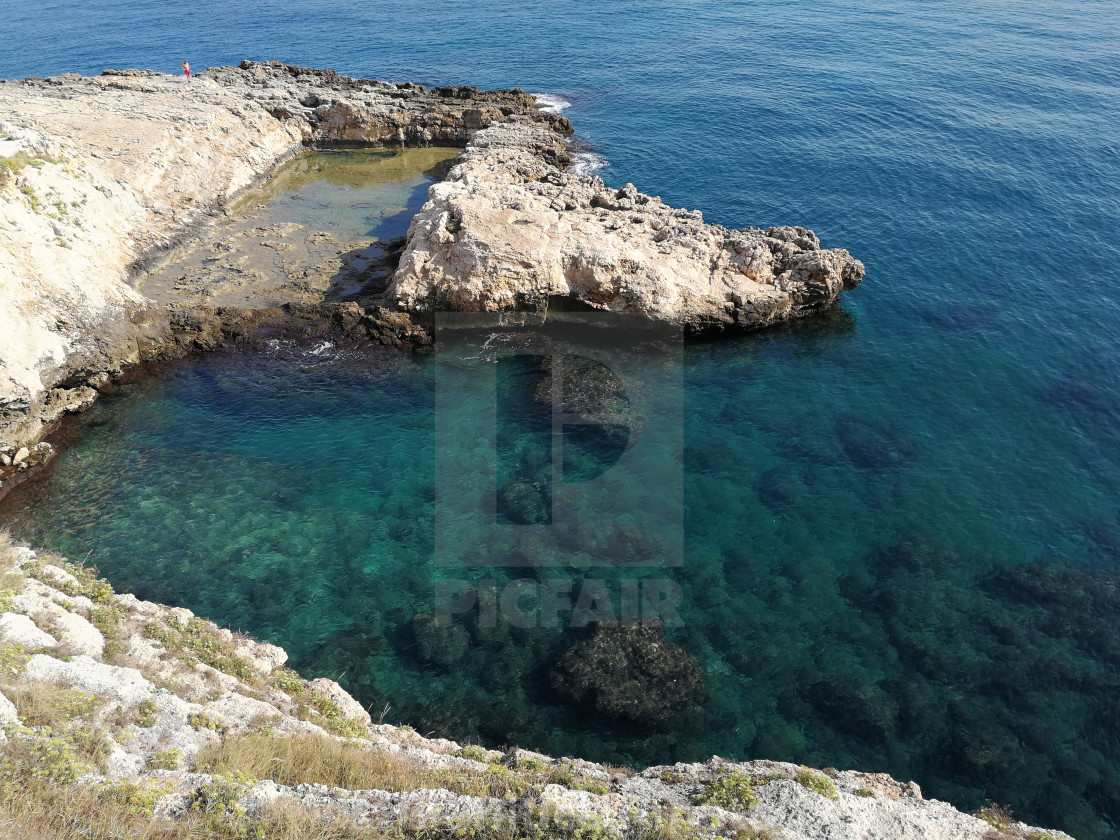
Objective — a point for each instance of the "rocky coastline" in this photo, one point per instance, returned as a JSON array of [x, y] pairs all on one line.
[[101, 178], [123, 715], [124, 701]]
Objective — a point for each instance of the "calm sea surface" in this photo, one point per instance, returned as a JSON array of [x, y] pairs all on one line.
[[902, 522]]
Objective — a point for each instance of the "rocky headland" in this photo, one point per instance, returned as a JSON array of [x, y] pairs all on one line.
[[102, 177]]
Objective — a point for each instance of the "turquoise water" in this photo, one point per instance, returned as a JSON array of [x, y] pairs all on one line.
[[902, 523]]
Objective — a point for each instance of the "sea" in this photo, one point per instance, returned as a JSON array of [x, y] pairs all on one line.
[[900, 522]]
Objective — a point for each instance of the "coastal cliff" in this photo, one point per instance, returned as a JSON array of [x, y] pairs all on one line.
[[103, 176], [123, 717]]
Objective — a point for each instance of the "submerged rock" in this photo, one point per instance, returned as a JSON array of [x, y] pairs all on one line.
[[631, 673]]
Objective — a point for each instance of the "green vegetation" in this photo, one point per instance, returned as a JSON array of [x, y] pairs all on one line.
[[198, 640], [734, 792], [222, 793], [165, 759], [86, 582], [816, 782], [31, 757], [138, 799], [867, 793], [201, 720], [287, 680], [530, 765], [146, 713], [475, 753]]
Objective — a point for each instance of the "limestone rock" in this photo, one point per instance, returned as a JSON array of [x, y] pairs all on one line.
[[126, 685], [21, 630], [78, 635], [8, 713], [130, 163], [348, 707], [511, 230]]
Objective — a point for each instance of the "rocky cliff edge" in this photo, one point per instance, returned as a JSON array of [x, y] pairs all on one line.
[[122, 717]]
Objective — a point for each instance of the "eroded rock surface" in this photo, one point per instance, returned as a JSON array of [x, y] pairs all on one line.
[[103, 175], [511, 230]]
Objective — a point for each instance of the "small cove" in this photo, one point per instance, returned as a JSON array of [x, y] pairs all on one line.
[[901, 523]]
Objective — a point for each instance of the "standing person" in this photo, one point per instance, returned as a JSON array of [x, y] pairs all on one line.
[[186, 65]]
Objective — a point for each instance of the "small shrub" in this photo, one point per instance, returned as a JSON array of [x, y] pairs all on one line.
[[29, 757], [287, 681], [816, 783], [474, 753], [530, 765], [13, 659], [201, 720], [222, 793], [997, 816], [591, 786], [165, 759], [137, 799], [734, 792], [866, 793], [146, 713]]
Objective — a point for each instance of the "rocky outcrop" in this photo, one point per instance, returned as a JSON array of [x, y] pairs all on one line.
[[152, 706], [511, 230], [631, 673], [101, 176]]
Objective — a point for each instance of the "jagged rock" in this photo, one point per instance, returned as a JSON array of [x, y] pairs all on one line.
[[630, 672], [138, 160], [127, 685], [21, 630], [348, 707], [510, 230], [77, 634]]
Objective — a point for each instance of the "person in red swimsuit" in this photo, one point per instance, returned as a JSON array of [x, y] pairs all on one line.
[[186, 65]]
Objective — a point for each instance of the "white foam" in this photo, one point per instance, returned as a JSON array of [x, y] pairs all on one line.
[[550, 103], [586, 163]]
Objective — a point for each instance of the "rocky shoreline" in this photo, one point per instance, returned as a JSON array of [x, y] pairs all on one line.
[[101, 180], [102, 177], [149, 715]]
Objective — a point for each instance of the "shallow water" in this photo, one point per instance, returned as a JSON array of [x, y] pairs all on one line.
[[316, 230], [902, 523]]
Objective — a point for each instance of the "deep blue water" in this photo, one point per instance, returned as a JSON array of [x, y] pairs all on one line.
[[902, 524]]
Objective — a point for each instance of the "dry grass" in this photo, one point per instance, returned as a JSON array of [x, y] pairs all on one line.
[[11, 579], [314, 759], [83, 813], [47, 704]]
